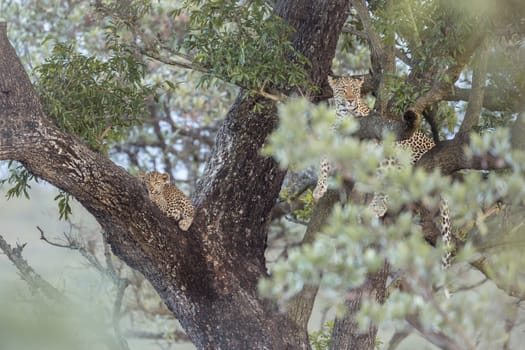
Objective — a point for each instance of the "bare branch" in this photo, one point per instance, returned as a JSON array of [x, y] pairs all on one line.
[[186, 65], [34, 281], [492, 100]]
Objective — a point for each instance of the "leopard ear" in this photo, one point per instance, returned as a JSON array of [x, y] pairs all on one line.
[[141, 175], [165, 177], [331, 82]]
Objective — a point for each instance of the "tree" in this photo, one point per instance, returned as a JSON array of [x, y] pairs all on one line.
[[209, 276]]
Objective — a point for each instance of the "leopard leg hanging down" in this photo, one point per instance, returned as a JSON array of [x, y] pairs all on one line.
[[322, 179], [446, 236]]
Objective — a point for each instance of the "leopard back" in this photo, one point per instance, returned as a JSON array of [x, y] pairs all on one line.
[[418, 144]]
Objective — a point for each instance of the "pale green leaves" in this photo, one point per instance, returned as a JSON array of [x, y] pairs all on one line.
[[355, 243]]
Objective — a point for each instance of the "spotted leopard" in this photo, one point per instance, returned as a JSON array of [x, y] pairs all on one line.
[[169, 198], [348, 103]]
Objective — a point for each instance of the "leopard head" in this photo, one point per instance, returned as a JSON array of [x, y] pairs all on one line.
[[155, 181]]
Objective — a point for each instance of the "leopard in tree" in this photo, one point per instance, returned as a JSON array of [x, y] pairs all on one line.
[[349, 103], [170, 200]]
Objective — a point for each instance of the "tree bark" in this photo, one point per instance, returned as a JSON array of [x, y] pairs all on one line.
[[347, 333], [206, 276]]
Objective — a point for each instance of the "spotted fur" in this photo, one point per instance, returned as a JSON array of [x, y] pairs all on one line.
[[170, 200], [348, 103]]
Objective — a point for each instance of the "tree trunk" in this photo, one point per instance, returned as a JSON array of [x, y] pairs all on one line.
[[347, 334], [206, 276]]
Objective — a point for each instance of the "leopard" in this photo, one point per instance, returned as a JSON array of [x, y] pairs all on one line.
[[349, 103], [418, 144], [168, 198]]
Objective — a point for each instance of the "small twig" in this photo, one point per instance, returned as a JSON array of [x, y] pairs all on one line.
[[73, 244], [109, 270], [276, 98], [172, 62], [403, 57], [110, 267], [69, 245], [295, 220], [105, 132], [469, 286]]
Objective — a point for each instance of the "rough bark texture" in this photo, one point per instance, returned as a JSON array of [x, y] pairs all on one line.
[[347, 333], [207, 276]]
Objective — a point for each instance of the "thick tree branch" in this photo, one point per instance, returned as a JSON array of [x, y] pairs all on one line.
[[347, 334], [373, 38], [374, 125], [450, 157], [493, 99], [441, 87], [475, 102], [382, 55]]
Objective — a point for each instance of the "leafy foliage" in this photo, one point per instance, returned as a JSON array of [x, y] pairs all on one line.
[[355, 243], [94, 99], [242, 43], [20, 178], [321, 339], [305, 200]]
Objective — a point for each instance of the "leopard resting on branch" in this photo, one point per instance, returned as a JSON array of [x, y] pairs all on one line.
[[349, 103], [168, 198]]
